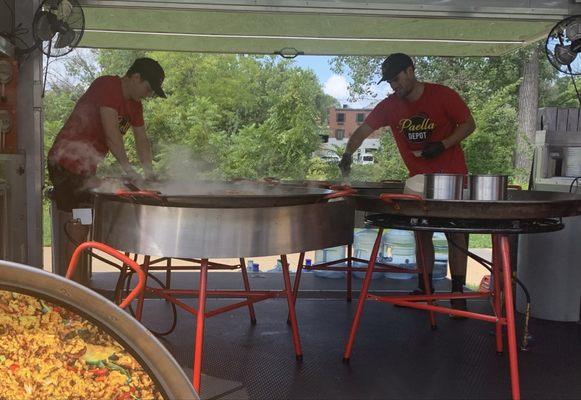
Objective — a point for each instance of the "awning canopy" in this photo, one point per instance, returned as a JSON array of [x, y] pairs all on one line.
[[324, 27]]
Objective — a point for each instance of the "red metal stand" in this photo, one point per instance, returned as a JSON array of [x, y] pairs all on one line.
[[501, 267], [202, 293]]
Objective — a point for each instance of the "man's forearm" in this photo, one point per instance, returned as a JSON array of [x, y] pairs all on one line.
[[357, 138], [143, 147], [118, 150], [461, 132]]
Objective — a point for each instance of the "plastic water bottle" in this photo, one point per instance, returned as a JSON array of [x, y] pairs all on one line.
[[363, 242], [330, 254], [440, 256], [400, 250]]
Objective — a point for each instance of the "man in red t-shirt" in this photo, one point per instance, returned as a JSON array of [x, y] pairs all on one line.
[[95, 127], [428, 122]]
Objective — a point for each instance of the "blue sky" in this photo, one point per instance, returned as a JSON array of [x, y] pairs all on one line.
[[336, 85]]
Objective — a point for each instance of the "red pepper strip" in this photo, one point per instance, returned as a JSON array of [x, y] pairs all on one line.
[[100, 378], [14, 367], [57, 309], [123, 396], [100, 371]]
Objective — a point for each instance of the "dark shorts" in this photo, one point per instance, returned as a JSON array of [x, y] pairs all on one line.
[[69, 189]]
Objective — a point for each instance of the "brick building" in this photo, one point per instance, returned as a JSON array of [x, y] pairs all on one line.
[[342, 122]]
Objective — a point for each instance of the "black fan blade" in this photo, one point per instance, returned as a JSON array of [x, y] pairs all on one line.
[[65, 39], [43, 27], [564, 55]]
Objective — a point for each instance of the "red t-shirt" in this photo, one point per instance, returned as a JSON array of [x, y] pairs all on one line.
[[431, 118], [80, 145]]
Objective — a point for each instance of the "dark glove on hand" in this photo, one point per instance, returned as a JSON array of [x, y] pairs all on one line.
[[433, 149], [345, 164]]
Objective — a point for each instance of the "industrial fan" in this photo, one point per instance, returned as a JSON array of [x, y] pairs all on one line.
[[58, 27], [564, 44]]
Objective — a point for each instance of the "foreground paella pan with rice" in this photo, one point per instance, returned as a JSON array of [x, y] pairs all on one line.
[[49, 352]]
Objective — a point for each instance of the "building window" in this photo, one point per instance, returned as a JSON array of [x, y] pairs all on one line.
[[339, 134], [340, 118], [360, 118]]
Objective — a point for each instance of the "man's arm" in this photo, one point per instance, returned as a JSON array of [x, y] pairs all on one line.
[[352, 145], [460, 133], [114, 139], [143, 147], [358, 137]]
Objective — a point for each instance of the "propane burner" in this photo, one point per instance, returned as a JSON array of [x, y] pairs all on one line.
[[466, 225]]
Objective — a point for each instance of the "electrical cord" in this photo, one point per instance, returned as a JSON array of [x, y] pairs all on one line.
[[576, 183], [574, 84], [488, 265]]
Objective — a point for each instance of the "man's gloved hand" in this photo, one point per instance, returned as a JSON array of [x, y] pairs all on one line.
[[432, 149], [345, 164]]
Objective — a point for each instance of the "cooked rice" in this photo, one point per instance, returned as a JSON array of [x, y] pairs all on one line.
[[47, 352]]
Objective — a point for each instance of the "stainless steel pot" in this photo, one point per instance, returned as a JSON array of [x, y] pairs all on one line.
[[488, 187], [443, 186], [134, 337]]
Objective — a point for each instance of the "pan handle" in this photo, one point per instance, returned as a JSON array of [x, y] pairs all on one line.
[[390, 181], [393, 198], [516, 187], [340, 191], [270, 179], [114, 253], [139, 193]]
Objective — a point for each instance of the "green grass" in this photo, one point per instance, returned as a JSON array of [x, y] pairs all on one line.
[[480, 241], [46, 222]]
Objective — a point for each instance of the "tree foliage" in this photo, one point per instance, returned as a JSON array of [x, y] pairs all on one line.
[[226, 116]]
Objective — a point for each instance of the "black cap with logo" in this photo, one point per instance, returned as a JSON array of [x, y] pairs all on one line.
[[150, 71], [393, 65]]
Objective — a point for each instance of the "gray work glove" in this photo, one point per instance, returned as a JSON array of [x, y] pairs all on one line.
[[345, 164]]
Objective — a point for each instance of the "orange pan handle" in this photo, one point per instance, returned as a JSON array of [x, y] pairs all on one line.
[[393, 198], [139, 193], [340, 191]]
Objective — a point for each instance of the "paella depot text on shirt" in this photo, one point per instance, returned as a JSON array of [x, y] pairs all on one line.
[[81, 144], [431, 118]]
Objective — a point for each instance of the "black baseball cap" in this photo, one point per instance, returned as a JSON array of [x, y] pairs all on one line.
[[393, 65], [150, 71]]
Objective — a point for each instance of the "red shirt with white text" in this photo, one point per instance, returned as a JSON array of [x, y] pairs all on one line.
[[431, 118]]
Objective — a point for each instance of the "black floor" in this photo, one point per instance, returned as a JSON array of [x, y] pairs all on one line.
[[395, 355]]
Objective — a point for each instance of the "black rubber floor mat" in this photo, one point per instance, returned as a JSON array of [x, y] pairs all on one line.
[[396, 355]]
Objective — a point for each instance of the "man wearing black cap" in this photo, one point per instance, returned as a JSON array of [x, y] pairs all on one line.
[[428, 122], [96, 127]]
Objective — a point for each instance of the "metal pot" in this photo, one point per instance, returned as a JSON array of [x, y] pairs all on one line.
[[443, 186], [488, 187]]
